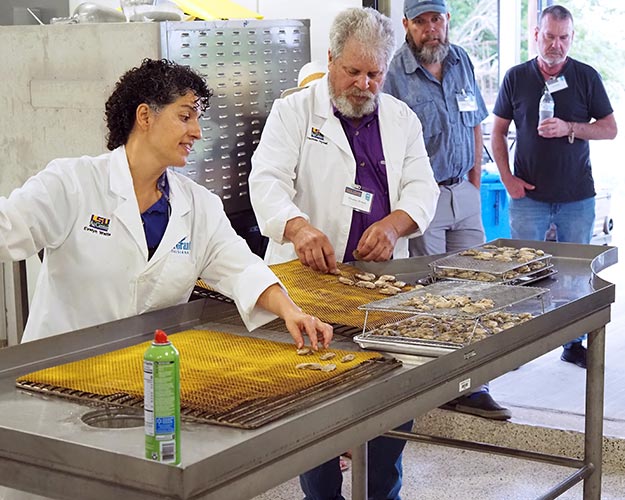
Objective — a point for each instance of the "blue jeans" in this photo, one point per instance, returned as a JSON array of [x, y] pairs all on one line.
[[384, 472], [531, 219], [574, 221]]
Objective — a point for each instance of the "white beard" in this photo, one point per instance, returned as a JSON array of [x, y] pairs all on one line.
[[349, 109]]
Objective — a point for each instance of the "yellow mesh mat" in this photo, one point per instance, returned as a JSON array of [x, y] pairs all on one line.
[[323, 296], [225, 378]]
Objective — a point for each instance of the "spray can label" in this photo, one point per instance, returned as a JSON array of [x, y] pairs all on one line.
[[162, 406]]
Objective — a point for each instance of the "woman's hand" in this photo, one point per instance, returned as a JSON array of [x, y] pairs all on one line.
[[299, 323], [277, 301]]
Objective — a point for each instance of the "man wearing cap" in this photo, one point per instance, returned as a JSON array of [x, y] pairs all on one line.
[[436, 79], [341, 169]]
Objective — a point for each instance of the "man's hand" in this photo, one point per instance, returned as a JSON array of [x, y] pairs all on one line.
[[516, 187], [313, 247], [553, 127], [378, 241]]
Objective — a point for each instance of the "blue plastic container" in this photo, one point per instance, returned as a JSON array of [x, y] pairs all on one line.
[[495, 210]]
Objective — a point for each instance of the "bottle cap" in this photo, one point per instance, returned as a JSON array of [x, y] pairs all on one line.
[[160, 337]]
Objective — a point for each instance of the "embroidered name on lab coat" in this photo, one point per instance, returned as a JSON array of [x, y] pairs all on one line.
[[317, 136], [98, 225]]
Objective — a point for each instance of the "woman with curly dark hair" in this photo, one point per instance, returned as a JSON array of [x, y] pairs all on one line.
[[135, 229]]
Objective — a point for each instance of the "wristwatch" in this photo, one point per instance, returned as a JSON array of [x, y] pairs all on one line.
[[571, 133]]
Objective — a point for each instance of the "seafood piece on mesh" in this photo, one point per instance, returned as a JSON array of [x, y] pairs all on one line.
[[390, 290], [365, 276], [309, 366], [327, 356], [365, 284], [469, 252], [481, 305], [304, 351], [346, 281], [347, 358], [483, 256]]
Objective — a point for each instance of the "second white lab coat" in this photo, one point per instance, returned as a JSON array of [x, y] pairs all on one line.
[[304, 162], [84, 213]]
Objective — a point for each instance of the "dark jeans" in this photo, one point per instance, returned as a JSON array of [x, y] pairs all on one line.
[[384, 472]]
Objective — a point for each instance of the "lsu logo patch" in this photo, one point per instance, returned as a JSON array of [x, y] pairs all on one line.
[[98, 225], [317, 136]]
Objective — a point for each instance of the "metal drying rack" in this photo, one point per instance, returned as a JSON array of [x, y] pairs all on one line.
[[503, 296]]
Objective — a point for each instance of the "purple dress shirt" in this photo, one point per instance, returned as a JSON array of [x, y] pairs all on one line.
[[366, 145]]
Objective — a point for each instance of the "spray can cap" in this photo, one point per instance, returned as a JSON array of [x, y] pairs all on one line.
[[160, 337]]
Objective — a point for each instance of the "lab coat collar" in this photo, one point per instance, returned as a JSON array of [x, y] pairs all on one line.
[[176, 229], [128, 210], [331, 128]]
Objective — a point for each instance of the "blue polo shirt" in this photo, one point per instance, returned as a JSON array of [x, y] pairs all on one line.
[[156, 217], [447, 131]]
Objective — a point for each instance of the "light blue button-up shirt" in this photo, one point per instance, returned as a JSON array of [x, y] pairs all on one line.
[[447, 131]]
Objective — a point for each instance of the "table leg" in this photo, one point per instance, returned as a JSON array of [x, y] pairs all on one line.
[[359, 472], [593, 445]]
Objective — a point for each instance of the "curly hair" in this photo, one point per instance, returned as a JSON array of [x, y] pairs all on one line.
[[366, 25], [155, 83]]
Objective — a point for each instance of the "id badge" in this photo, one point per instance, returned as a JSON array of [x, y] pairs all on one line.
[[358, 199], [466, 102], [555, 84]]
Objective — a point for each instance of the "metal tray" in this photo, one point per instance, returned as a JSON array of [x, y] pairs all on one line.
[[469, 263], [440, 274], [436, 336], [534, 277], [501, 295], [405, 346]]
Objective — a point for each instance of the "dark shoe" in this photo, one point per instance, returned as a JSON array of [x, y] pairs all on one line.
[[480, 404], [575, 354]]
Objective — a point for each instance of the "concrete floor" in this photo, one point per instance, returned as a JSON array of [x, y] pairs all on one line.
[[439, 473]]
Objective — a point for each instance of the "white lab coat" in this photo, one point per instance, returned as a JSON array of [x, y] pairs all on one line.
[[304, 162], [84, 212]]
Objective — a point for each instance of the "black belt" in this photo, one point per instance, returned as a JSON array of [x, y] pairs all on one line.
[[451, 181]]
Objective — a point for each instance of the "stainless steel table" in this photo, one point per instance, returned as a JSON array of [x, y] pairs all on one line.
[[46, 449]]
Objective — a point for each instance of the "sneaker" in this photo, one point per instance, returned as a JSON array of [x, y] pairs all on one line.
[[480, 404], [575, 354]]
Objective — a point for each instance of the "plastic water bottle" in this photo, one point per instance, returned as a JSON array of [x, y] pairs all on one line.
[[545, 106], [161, 389]]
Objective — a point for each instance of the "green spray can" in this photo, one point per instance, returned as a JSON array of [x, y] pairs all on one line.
[[161, 390]]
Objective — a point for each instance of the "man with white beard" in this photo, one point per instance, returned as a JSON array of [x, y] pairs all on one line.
[[436, 79], [341, 170]]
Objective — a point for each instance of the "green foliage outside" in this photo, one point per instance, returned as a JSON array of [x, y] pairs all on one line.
[[599, 37]]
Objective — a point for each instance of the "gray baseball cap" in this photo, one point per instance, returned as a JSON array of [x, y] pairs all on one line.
[[414, 8]]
